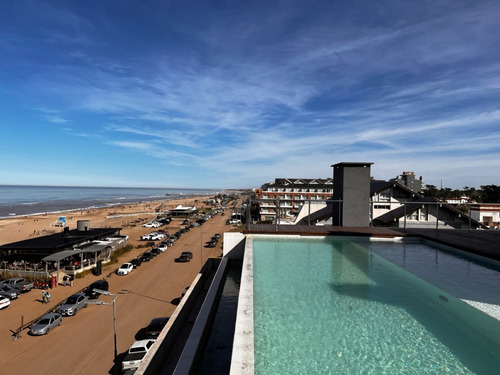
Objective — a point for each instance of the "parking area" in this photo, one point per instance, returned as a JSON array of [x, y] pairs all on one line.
[[85, 343]]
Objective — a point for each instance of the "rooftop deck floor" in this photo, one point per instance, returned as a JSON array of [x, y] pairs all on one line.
[[480, 242]]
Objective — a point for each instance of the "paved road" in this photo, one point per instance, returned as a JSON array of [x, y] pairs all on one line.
[[84, 343]]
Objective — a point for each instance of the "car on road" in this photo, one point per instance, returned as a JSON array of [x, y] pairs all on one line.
[[163, 247], [9, 292], [136, 262], [211, 244], [147, 256], [125, 269], [155, 327], [185, 256], [4, 302], [217, 235], [73, 304], [99, 284], [155, 251], [45, 324], [136, 354]]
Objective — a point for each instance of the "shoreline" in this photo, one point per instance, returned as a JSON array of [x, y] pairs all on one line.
[[121, 201], [23, 227]]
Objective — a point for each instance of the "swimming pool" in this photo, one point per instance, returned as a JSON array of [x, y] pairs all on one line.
[[332, 306]]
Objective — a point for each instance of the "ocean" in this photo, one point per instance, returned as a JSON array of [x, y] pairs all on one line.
[[30, 200]]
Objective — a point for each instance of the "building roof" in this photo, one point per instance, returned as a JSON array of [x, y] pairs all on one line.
[[319, 215], [56, 257], [410, 207], [300, 182], [376, 186], [62, 240]]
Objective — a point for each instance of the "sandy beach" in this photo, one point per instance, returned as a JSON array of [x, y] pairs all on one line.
[[125, 216], [148, 292]]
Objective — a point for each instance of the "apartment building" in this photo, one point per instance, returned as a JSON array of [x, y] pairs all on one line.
[[288, 194]]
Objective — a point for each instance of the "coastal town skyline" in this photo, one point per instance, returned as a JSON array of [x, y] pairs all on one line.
[[233, 95]]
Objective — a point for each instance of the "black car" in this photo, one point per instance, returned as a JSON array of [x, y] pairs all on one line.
[[155, 251], [186, 256], [154, 328], [146, 257], [136, 262], [211, 244], [99, 284]]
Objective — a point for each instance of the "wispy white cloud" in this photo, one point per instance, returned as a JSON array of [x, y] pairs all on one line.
[[291, 92]]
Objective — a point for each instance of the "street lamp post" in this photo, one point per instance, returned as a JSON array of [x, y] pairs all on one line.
[[113, 304], [201, 244]]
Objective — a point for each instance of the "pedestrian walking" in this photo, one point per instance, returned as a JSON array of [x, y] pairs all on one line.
[[47, 296], [65, 280], [44, 295], [71, 279]]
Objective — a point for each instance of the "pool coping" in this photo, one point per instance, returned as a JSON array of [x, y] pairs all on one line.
[[243, 356], [242, 359]]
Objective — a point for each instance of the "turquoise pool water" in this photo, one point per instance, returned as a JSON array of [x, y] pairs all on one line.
[[332, 306]]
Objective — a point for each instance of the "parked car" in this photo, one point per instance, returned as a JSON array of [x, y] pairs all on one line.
[[211, 244], [19, 283], [4, 302], [154, 328], [9, 292], [217, 235], [146, 257], [99, 284], [163, 247], [155, 251], [152, 224], [185, 256], [125, 269], [136, 354], [73, 304], [45, 324], [136, 262]]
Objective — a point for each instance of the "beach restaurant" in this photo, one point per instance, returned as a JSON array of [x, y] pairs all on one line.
[[76, 250]]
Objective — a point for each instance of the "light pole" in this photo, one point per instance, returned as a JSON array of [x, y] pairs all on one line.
[[201, 243], [113, 303]]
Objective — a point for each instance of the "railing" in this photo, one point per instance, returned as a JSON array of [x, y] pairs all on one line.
[[432, 214]]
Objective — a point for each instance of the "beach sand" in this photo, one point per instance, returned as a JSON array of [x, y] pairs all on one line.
[[20, 228], [148, 292]]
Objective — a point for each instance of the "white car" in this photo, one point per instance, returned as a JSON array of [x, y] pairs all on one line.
[[4, 302], [162, 247], [125, 269], [152, 224]]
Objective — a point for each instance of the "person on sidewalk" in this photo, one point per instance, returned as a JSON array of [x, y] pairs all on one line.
[[47, 296], [44, 295]]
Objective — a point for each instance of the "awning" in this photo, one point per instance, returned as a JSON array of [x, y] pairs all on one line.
[[57, 257]]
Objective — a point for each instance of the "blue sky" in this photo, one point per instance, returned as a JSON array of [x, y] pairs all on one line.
[[232, 94]]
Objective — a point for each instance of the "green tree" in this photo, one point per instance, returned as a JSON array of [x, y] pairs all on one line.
[[490, 193]]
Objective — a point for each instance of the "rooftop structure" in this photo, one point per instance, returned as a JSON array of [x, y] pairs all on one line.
[[409, 180]]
